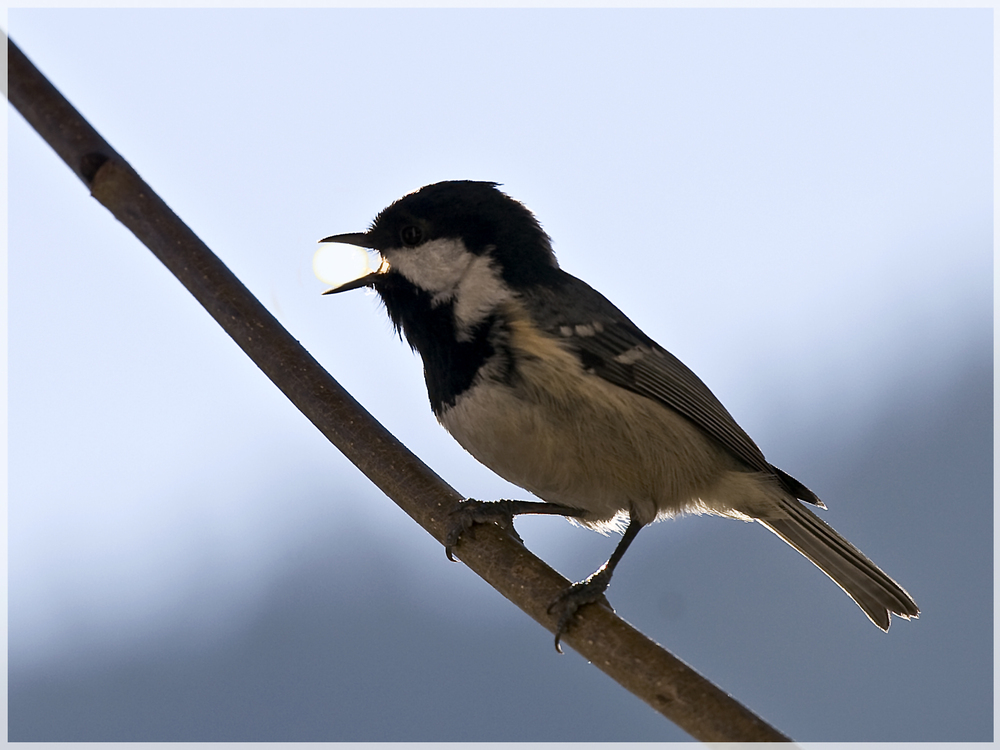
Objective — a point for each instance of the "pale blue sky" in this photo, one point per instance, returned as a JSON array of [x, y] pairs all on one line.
[[797, 203]]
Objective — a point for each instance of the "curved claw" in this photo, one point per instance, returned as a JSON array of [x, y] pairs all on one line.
[[464, 520], [471, 512], [463, 524], [571, 599]]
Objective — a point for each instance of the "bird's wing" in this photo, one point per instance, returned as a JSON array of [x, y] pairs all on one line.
[[612, 347]]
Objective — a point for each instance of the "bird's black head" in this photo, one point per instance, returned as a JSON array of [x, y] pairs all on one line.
[[453, 254], [484, 219]]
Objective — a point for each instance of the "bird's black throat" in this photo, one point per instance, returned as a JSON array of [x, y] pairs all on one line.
[[450, 365]]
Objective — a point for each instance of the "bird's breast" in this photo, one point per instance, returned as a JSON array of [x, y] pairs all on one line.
[[570, 437]]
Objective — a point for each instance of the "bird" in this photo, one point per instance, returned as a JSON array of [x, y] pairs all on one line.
[[543, 380]]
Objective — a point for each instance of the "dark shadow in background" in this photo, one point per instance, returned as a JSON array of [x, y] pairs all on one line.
[[331, 661]]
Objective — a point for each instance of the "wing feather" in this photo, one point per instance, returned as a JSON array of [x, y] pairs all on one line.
[[614, 348]]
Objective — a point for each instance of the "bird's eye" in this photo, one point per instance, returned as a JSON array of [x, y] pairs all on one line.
[[411, 235]]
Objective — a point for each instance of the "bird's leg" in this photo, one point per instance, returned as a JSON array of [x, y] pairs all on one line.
[[501, 512], [590, 589]]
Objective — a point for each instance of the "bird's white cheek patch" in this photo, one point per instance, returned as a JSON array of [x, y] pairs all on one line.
[[450, 273], [480, 292], [436, 266]]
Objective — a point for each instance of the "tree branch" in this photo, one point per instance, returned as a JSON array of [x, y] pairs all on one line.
[[626, 655]]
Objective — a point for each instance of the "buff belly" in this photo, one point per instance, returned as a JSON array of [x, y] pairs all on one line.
[[574, 439]]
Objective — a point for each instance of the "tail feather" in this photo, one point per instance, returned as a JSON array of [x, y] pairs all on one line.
[[875, 592]]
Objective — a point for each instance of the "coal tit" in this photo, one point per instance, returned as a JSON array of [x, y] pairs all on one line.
[[548, 384]]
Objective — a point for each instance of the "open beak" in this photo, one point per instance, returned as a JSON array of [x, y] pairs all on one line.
[[358, 239], [368, 280]]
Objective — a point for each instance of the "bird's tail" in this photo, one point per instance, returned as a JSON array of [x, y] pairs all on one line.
[[875, 592]]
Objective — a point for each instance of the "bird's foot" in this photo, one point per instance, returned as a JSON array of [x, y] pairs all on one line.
[[587, 591], [471, 512]]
